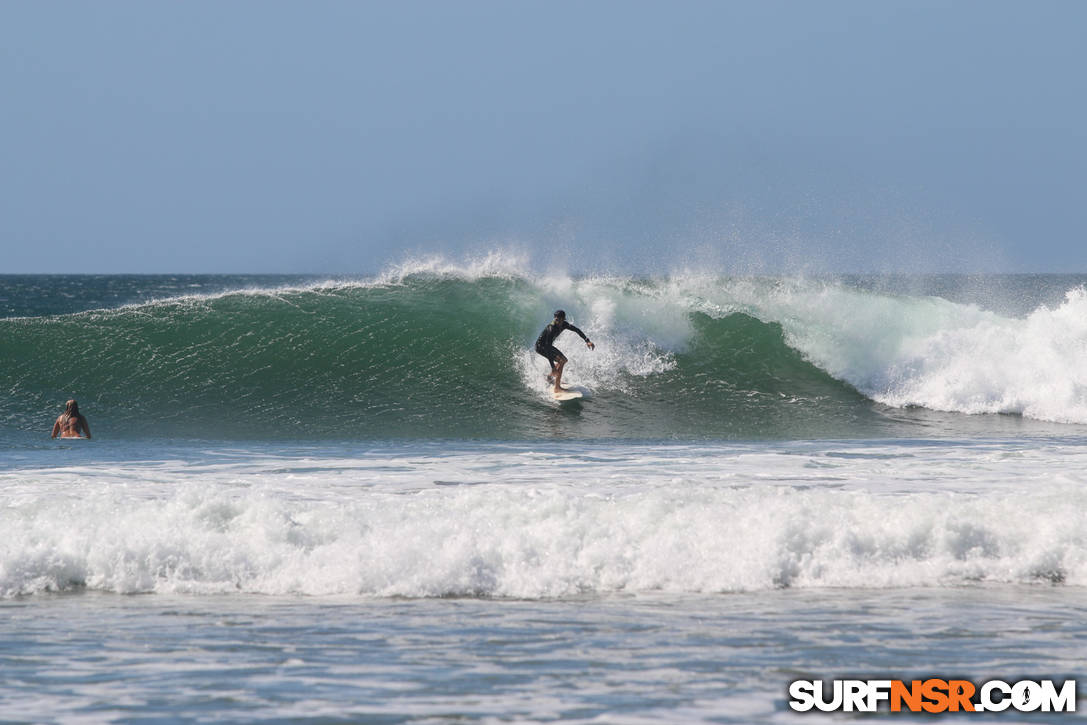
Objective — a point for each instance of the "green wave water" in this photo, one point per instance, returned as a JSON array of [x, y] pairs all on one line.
[[441, 355]]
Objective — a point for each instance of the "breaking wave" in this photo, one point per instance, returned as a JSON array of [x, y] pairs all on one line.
[[433, 349]]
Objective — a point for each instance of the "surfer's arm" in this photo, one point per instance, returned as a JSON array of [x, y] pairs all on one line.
[[86, 426], [574, 328], [56, 428], [584, 337]]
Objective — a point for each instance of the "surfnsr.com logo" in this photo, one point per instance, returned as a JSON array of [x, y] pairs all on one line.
[[932, 695]]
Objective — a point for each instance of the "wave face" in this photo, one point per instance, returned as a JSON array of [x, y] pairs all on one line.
[[439, 350]]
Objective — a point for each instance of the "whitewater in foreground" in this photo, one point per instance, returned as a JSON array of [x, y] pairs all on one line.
[[774, 479]]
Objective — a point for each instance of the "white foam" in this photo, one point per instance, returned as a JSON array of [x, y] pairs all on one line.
[[1034, 367], [942, 355], [553, 523]]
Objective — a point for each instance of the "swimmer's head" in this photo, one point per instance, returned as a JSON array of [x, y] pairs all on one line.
[[71, 408]]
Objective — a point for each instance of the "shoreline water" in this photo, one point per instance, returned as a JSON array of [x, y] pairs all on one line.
[[712, 658]]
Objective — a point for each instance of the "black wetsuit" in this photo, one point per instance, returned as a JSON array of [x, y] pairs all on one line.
[[545, 343]]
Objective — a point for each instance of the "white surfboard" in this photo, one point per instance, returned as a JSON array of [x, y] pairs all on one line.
[[567, 394]]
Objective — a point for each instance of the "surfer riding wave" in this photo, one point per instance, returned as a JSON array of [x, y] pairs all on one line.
[[545, 345]]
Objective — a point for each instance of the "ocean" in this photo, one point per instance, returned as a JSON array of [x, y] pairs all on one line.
[[315, 499]]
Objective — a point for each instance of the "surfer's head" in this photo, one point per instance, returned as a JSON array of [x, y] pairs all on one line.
[[560, 315], [71, 408]]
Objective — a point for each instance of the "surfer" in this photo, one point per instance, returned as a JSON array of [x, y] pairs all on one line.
[[71, 423], [545, 345]]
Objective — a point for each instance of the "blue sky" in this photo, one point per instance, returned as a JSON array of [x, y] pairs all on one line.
[[337, 137]]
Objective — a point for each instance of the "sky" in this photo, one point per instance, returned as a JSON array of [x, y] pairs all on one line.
[[340, 137]]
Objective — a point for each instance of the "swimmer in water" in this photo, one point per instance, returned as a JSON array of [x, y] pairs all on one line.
[[71, 423]]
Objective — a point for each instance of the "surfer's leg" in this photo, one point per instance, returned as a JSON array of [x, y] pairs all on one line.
[[560, 363], [553, 357], [546, 354]]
